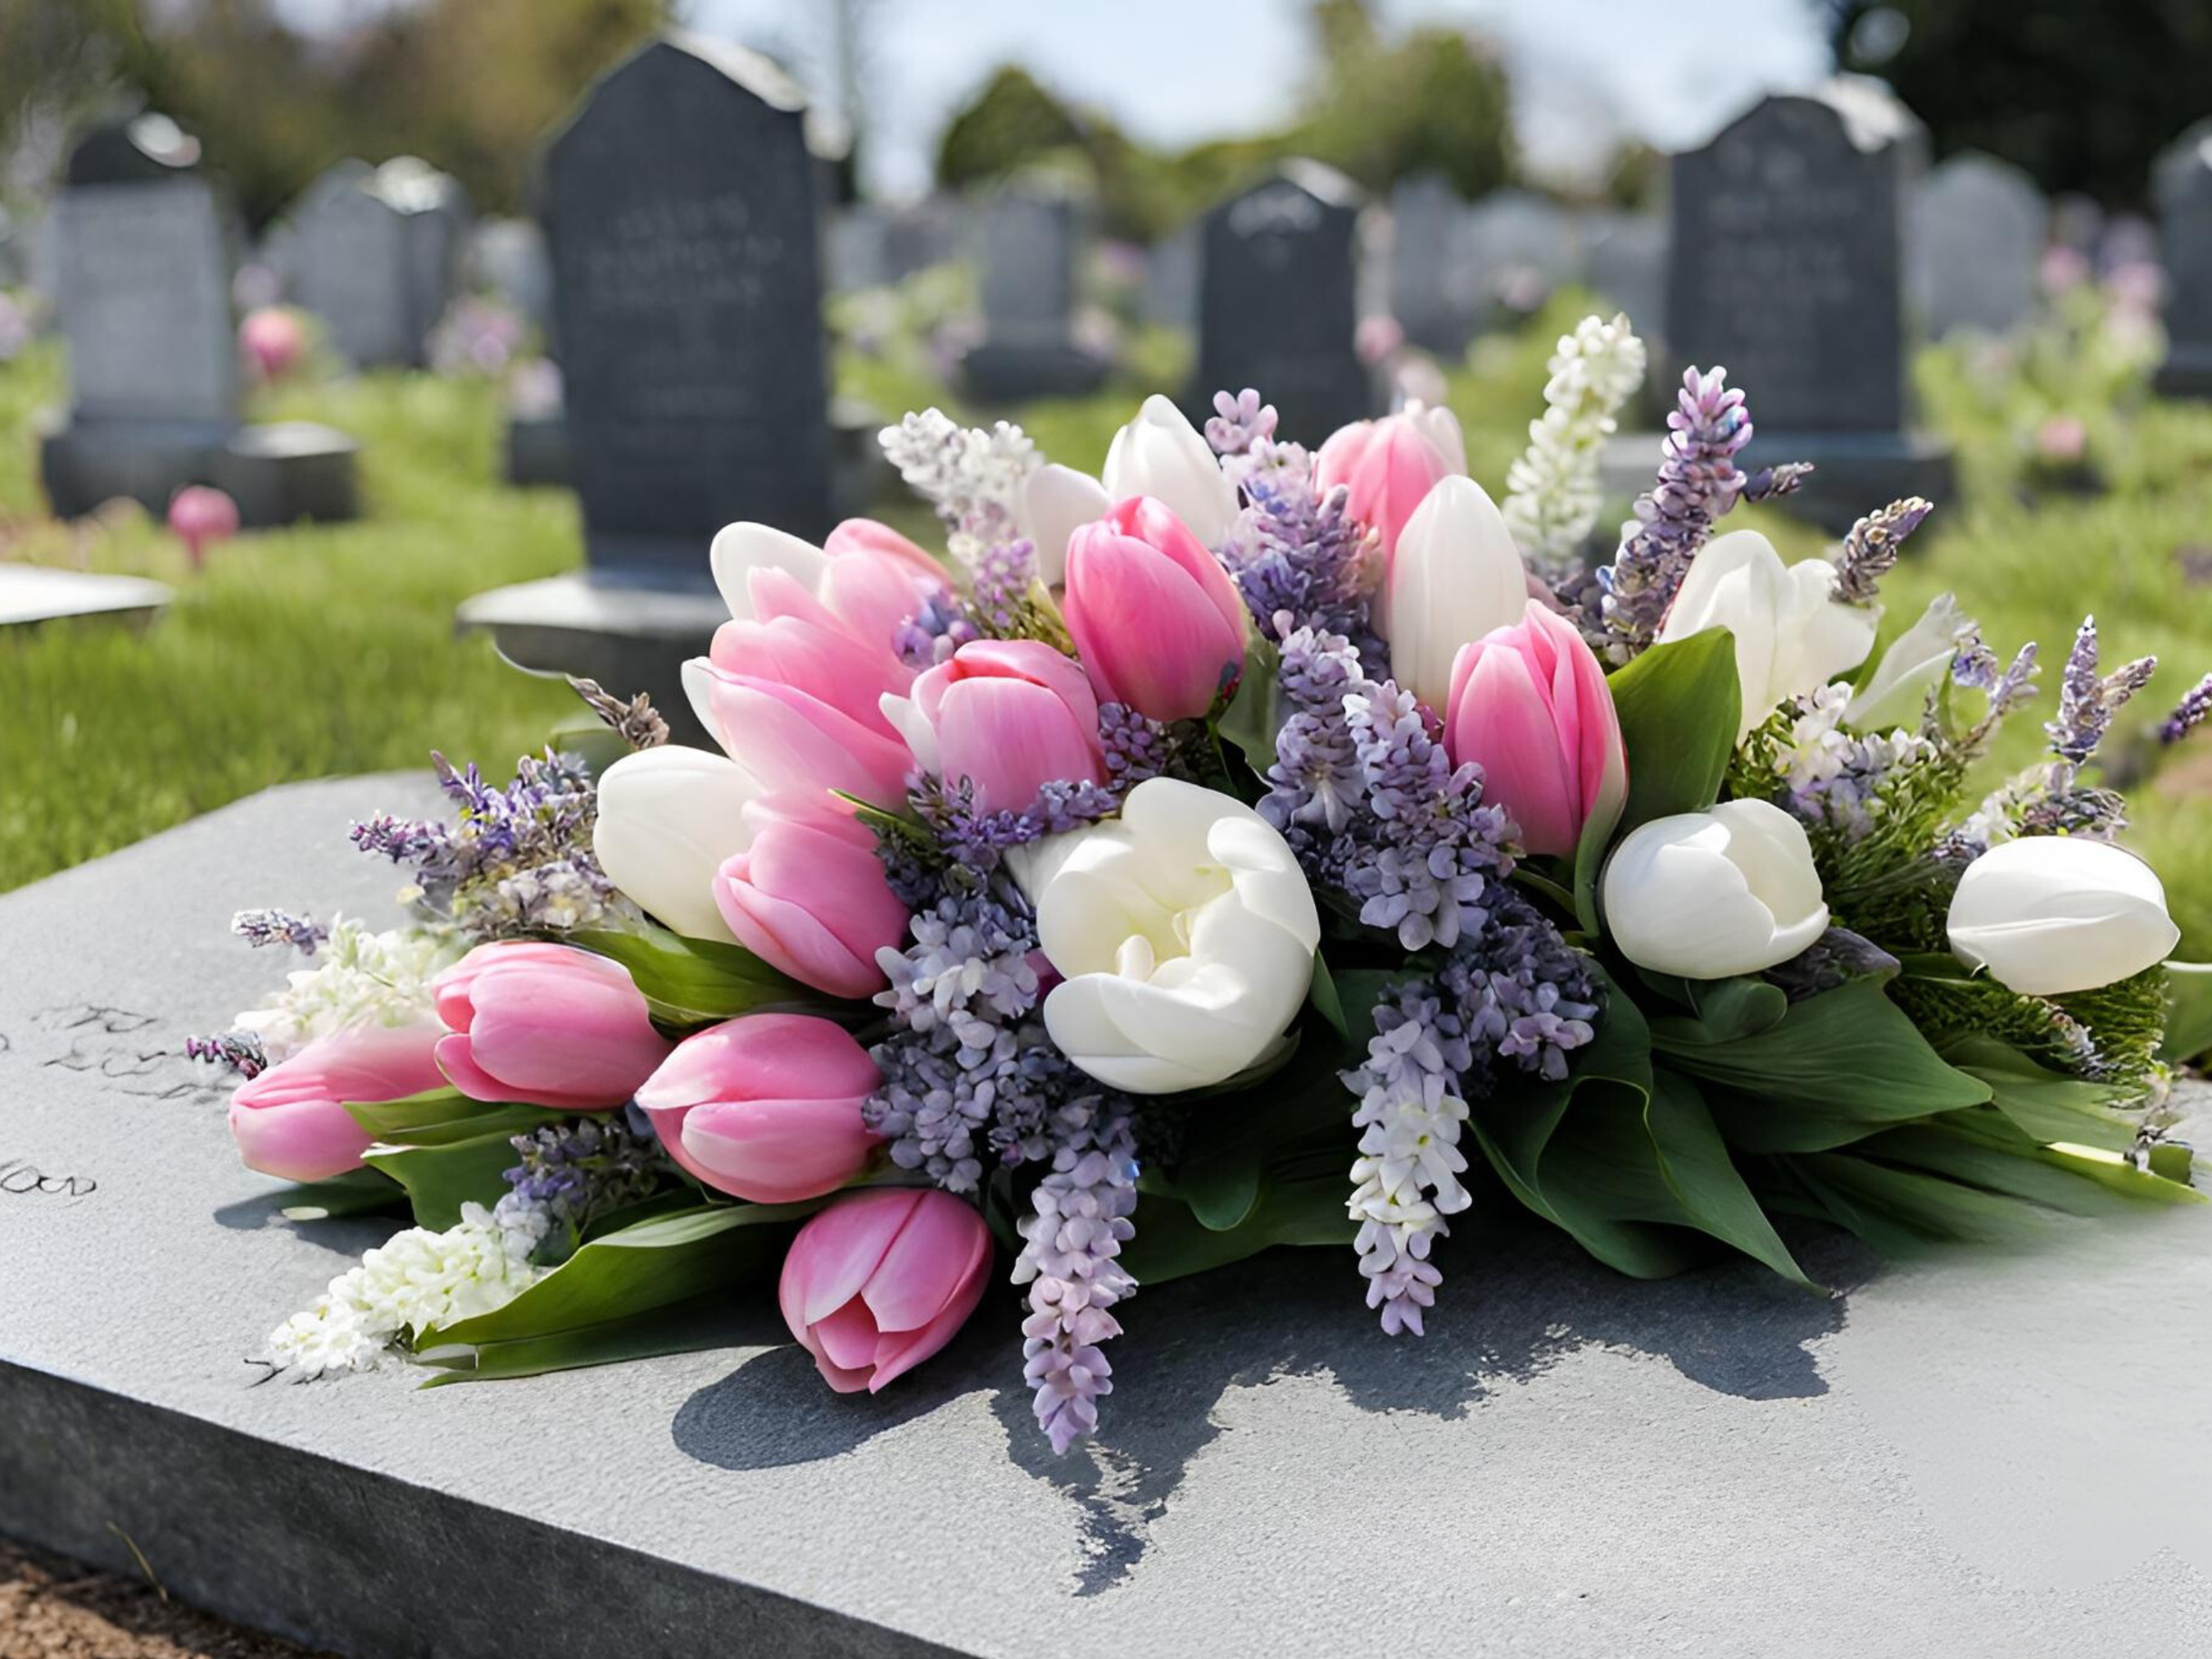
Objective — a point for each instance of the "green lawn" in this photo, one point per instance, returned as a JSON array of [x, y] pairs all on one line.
[[310, 652]]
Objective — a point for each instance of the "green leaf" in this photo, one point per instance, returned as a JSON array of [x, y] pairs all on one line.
[[1837, 1067], [703, 1322], [444, 1117], [667, 1260], [1724, 1010], [357, 1192], [697, 982], [1322, 994], [1984, 1151], [1694, 1161], [1249, 722], [2189, 1010], [1171, 1242], [2043, 1105], [439, 1179]]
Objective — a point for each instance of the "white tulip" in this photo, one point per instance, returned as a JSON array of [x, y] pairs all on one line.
[[669, 816], [1057, 501], [1705, 895], [1455, 577], [1916, 663], [2046, 915], [1791, 636], [1185, 932], [1161, 455], [739, 550]]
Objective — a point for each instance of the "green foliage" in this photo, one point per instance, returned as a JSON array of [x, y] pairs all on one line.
[[691, 982], [1011, 126]]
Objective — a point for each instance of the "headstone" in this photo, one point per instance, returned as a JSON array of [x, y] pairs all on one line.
[[438, 219], [1276, 301], [1171, 280], [922, 234], [143, 287], [679, 205], [1429, 294], [1716, 1464], [373, 251], [1625, 264], [1975, 244], [1031, 251], [508, 256], [855, 255], [2183, 186], [1516, 247], [1787, 269]]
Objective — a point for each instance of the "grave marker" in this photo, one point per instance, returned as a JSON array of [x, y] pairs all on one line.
[[1030, 252], [1975, 238], [2183, 187]]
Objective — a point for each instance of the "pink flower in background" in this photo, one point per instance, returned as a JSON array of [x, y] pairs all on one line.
[[809, 895], [2063, 268], [291, 1120], [1374, 338], [546, 1025], [274, 340], [1009, 715], [1155, 619], [1388, 465], [2062, 439], [1529, 706], [767, 1107], [200, 514], [880, 1280]]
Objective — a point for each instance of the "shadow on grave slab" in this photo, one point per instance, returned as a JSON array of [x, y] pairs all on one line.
[[1733, 1329]]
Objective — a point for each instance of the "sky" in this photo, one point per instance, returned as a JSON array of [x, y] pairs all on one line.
[[1585, 72]]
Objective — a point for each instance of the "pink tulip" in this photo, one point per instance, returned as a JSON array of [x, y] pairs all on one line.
[[274, 340], [1155, 617], [808, 896], [547, 1025], [766, 1108], [880, 1280], [877, 579], [198, 515], [291, 1120], [1390, 464], [794, 638], [790, 741], [1009, 715], [1529, 705]]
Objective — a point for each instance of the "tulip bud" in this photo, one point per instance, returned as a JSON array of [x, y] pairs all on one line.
[[1057, 502], [1155, 617], [766, 1108], [1185, 932], [1160, 454], [545, 1024], [1917, 662], [876, 579], [739, 550], [808, 896], [2047, 914], [1008, 715], [291, 1120], [1530, 706], [668, 818], [1791, 635], [274, 341], [1708, 895], [878, 1282], [1455, 577], [1389, 466]]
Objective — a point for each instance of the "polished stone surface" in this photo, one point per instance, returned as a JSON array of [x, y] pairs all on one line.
[[31, 594], [1962, 1457]]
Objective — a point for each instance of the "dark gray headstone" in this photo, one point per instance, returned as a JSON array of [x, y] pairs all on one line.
[[438, 218], [680, 208], [136, 149], [1516, 247], [2183, 184], [1277, 300], [1787, 269], [1429, 291], [1975, 240], [1030, 250]]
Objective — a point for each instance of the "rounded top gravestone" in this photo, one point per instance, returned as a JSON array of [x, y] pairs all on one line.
[[2181, 184], [1277, 300], [679, 206], [131, 150], [1978, 227]]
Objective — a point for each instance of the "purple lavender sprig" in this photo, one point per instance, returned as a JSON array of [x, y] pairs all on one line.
[[2087, 701], [1869, 552], [636, 722], [2191, 712], [1771, 484], [584, 1167], [1070, 1261], [1294, 555], [269, 927], [241, 1051], [1698, 481]]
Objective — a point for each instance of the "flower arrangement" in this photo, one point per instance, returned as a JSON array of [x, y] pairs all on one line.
[[1242, 847]]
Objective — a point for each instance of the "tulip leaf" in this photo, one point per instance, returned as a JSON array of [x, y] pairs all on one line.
[[443, 1116], [617, 1275], [1171, 1242], [1836, 1068], [439, 1179], [1679, 705], [2189, 1010], [1723, 1010], [691, 983], [712, 1321], [1322, 994], [2041, 1103]]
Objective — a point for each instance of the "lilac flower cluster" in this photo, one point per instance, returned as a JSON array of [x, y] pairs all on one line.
[[963, 844], [515, 860], [240, 1051], [973, 477], [1869, 552], [1072, 1241], [1239, 422], [1366, 796], [2191, 712], [1522, 993], [585, 1167], [933, 633], [260, 927], [1136, 746], [1002, 575], [1698, 481], [1406, 1179], [1293, 556], [2088, 700]]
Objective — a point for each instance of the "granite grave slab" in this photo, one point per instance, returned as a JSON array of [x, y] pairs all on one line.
[[1430, 292], [1276, 301], [32, 595], [2183, 186], [1965, 1456]]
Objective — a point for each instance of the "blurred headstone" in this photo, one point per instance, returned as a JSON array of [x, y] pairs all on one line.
[[919, 235], [507, 257], [853, 249], [374, 253], [2183, 186], [1975, 240], [1171, 280], [2077, 221], [1031, 251], [1277, 307], [1625, 263], [1787, 268], [1429, 294], [438, 219], [142, 289], [1516, 247], [679, 203]]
